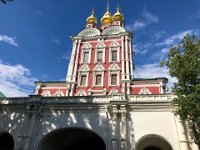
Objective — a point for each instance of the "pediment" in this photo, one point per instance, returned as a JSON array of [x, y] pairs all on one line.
[[101, 45], [114, 67], [99, 67], [89, 32], [113, 30], [84, 68], [87, 46]]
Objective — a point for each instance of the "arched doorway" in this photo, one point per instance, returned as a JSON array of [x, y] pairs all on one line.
[[72, 139], [6, 141], [153, 142]]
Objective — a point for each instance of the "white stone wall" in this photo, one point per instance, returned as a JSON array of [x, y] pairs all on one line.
[[160, 123]]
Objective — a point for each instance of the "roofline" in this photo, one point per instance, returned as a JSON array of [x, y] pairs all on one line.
[[36, 82], [146, 79]]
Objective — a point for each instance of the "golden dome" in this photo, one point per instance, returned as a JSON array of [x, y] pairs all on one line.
[[92, 18], [118, 16], [107, 18]]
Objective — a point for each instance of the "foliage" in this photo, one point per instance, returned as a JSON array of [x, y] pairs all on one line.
[[5, 1], [183, 63]]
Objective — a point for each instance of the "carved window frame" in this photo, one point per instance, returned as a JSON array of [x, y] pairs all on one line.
[[102, 48], [86, 48], [113, 69], [114, 46], [98, 70], [84, 70]]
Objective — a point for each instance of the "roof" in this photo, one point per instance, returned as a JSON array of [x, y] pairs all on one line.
[[147, 79]]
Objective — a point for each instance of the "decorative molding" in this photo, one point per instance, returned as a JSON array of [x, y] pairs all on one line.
[[89, 32], [113, 91], [144, 90], [113, 30], [84, 68], [59, 93], [87, 45], [46, 93], [114, 67], [99, 67], [101, 45], [81, 93], [114, 44]]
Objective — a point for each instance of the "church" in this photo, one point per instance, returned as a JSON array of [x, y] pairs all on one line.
[[100, 105]]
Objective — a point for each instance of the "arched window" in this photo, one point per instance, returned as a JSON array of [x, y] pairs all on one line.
[[153, 142]]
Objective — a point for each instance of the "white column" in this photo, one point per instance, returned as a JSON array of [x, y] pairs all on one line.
[[127, 60], [76, 62], [75, 68], [123, 130], [71, 64], [181, 133], [131, 56], [123, 69], [127, 67], [114, 138]]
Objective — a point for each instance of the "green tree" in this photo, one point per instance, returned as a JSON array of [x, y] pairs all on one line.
[[183, 62]]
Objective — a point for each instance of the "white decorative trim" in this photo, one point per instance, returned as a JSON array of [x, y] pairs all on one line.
[[114, 69], [144, 90], [86, 48], [84, 68], [114, 46], [113, 30], [113, 91], [59, 93], [81, 93], [100, 47], [97, 92], [46, 93], [89, 32], [98, 70], [99, 67]]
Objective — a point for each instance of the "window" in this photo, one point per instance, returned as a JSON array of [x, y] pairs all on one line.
[[85, 57], [114, 55], [99, 56], [83, 80], [113, 79], [98, 79]]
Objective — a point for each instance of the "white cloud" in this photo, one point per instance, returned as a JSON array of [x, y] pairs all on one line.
[[39, 12], [150, 18], [160, 55], [54, 39], [174, 39], [147, 19], [153, 71], [15, 80], [141, 48], [9, 40]]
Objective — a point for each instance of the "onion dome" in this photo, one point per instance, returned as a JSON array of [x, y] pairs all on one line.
[[118, 16], [107, 18], [92, 19]]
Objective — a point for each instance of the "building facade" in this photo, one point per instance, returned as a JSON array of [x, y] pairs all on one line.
[[101, 105]]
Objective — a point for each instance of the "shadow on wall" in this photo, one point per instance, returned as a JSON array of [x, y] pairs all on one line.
[[153, 142], [72, 139], [6, 141]]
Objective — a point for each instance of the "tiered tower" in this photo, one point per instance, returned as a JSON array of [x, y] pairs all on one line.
[[102, 62]]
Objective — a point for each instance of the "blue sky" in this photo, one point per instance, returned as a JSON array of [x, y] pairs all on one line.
[[35, 43]]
